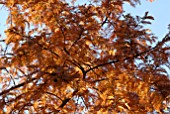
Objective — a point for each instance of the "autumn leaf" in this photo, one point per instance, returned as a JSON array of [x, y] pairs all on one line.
[[145, 22]]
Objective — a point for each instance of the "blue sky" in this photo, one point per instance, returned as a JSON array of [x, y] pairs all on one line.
[[158, 9], [3, 17]]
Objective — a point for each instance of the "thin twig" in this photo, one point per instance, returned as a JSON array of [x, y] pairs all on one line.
[[81, 32], [53, 95], [10, 76], [84, 102]]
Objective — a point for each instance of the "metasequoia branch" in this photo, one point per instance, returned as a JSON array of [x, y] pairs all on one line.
[[158, 45], [31, 40], [19, 85]]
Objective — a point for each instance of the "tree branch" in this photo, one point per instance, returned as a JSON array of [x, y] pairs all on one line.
[[19, 85], [66, 100], [158, 45]]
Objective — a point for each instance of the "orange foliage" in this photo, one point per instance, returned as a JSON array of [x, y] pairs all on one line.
[[59, 57]]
